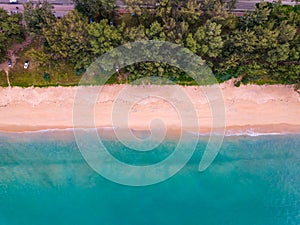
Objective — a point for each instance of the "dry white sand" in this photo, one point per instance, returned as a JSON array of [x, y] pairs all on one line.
[[269, 108]]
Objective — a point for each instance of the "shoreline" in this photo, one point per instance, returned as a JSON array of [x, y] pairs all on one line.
[[249, 109], [108, 134], [272, 129]]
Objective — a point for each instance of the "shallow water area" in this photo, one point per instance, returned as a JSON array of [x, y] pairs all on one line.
[[45, 180]]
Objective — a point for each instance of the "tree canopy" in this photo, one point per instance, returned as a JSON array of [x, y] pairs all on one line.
[[101, 9], [261, 46], [11, 31], [38, 16]]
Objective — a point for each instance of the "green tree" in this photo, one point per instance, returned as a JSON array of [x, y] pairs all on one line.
[[191, 11], [261, 16], [11, 31], [216, 10], [131, 34], [141, 9], [103, 37], [188, 11], [103, 9], [134, 7], [175, 32], [68, 38], [265, 47], [295, 49], [155, 32], [209, 40], [191, 43], [38, 16]]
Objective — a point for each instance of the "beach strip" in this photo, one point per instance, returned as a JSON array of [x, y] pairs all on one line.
[[247, 109]]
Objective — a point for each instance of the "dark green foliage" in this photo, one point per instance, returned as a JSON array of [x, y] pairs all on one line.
[[79, 72], [3, 80], [47, 77], [68, 38], [260, 47], [237, 84], [265, 46], [103, 37], [11, 31], [96, 9], [38, 16]]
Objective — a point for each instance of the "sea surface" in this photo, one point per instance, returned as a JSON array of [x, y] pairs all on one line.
[[44, 180]]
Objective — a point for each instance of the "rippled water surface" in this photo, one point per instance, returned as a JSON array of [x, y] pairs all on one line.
[[254, 180]]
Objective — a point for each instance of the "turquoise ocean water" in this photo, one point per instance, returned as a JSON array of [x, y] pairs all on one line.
[[44, 180]]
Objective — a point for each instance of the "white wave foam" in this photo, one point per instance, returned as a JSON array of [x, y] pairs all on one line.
[[229, 133]]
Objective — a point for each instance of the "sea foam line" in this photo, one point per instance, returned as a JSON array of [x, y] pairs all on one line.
[[227, 133]]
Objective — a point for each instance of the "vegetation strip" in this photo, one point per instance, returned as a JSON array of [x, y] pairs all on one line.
[[262, 46]]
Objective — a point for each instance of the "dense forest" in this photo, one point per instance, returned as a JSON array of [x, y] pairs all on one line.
[[261, 46]]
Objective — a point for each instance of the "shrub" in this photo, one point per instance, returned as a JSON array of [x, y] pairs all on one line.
[[3, 80], [47, 77]]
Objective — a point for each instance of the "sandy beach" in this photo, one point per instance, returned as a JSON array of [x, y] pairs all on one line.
[[251, 108]]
